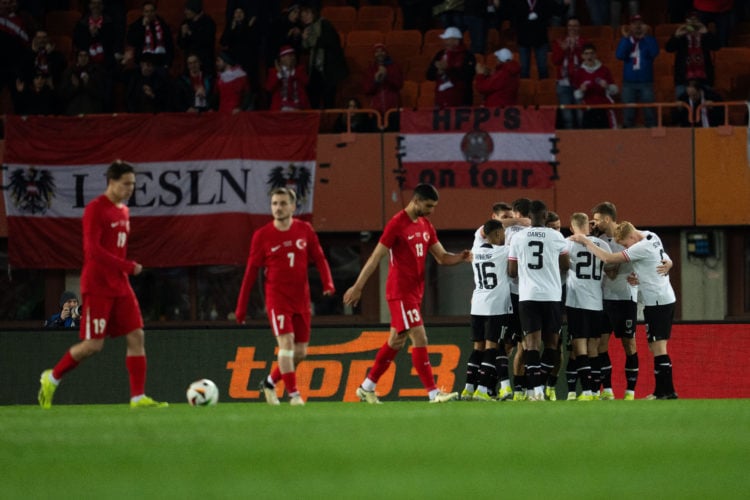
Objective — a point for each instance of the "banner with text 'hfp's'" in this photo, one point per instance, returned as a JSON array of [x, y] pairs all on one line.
[[478, 148], [202, 182]]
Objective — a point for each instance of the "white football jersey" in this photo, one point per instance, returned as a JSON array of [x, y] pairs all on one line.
[[619, 288], [491, 281], [509, 233], [645, 256], [479, 239], [585, 276], [537, 251]]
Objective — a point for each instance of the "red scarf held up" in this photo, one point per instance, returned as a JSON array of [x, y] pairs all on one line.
[[695, 64]]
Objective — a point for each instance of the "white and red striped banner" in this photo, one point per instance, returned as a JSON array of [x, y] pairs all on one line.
[[202, 182], [478, 148]]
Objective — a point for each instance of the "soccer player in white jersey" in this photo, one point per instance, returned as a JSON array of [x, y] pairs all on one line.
[[646, 252], [500, 211], [584, 304], [620, 307], [490, 316], [537, 257], [520, 212]]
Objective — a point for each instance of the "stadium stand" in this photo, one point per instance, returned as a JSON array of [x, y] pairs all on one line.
[[342, 17]]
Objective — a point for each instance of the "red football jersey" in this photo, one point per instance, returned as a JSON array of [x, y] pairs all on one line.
[[285, 255], [408, 243], [106, 228]]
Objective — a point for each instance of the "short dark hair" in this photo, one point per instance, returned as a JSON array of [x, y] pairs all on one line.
[[286, 191], [491, 225], [118, 168], [426, 192], [522, 206], [501, 206], [605, 208], [552, 216], [538, 213], [588, 46]]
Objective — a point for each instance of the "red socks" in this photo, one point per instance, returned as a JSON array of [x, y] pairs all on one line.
[[421, 362], [290, 382], [136, 366], [276, 375], [63, 366], [383, 360]]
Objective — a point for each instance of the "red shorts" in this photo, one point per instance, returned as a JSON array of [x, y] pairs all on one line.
[[109, 316], [404, 315], [284, 321]]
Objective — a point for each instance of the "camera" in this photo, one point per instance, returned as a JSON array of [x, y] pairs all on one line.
[[77, 310]]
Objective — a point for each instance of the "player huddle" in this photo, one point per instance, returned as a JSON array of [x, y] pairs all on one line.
[[595, 279]]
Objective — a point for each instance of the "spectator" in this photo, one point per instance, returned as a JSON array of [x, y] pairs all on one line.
[[450, 13], [198, 34], [695, 95], [286, 29], [638, 49], [476, 22], [383, 83], [96, 33], [82, 87], [69, 315], [194, 88], [566, 56], [615, 11], [692, 44], [146, 87], [37, 98], [530, 21], [718, 12], [14, 43], [240, 41], [150, 34], [45, 58], [500, 89], [287, 83], [452, 70], [232, 87], [327, 65], [360, 123], [594, 84]]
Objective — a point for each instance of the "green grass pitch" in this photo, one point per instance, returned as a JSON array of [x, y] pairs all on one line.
[[399, 450]]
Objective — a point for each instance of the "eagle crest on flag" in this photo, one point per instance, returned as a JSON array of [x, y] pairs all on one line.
[[292, 176], [32, 191]]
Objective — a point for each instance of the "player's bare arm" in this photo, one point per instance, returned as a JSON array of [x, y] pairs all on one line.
[[446, 258], [353, 294], [604, 256]]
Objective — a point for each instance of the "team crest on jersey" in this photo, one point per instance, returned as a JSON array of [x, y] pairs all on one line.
[[292, 176], [477, 146], [301, 244], [426, 236], [32, 190]]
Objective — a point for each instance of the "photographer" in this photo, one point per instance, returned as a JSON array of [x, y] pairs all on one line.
[[70, 314]]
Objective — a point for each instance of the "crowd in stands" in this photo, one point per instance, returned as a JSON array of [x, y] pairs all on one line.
[[101, 56]]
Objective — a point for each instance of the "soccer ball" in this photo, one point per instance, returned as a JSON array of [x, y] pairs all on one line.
[[203, 393]]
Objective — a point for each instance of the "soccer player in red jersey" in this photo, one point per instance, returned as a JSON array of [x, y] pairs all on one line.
[[407, 239], [285, 247], [110, 307]]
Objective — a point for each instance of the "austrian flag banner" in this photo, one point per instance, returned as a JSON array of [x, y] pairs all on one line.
[[202, 182], [478, 148]]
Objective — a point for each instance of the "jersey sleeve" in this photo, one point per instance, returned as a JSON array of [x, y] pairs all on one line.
[[254, 262], [390, 233]]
